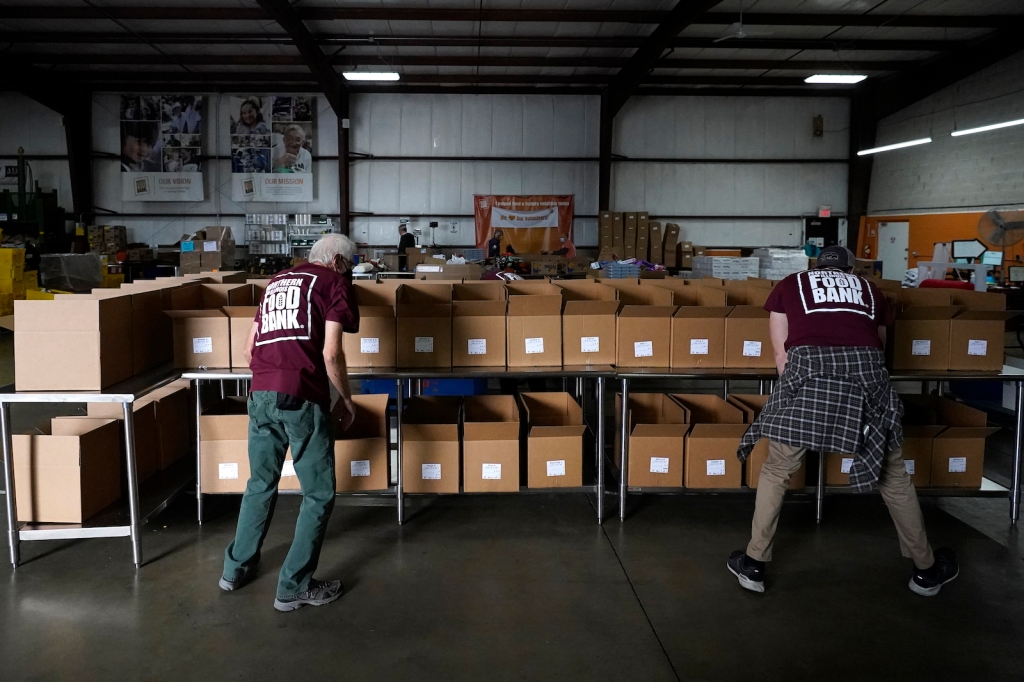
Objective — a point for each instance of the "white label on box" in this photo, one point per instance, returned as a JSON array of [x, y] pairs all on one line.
[[478, 347], [590, 344], [369, 345], [846, 464], [977, 347], [659, 465], [428, 268], [209, 246], [534, 345], [288, 469], [957, 465], [227, 470], [751, 349], [424, 344], [556, 467], [698, 346], [716, 467], [430, 472], [643, 349], [921, 347], [491, 472], [203, 344], [909, 464], [359, 467]]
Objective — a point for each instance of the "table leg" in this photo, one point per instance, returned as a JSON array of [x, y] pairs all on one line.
[[223, 394], [198, 385], [399, 492], [599, 396], [133, 480], [760, 387], [624, 462], [725, 389], [13, 539], [1018, 450], [820, 492]]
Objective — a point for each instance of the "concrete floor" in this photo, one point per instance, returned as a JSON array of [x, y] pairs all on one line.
[[524, 587]]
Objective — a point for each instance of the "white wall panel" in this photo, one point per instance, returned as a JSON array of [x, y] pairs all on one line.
[[385, 187], [749, 183], [414, 187], [446, 124], [507, 125], [751, 128], [569, 127], [477, 126], [385, 126], [445, 187], [720, 189], [416, 126], [538, 178], [28, 124], [507, 178], [688, 128], [539, 125]]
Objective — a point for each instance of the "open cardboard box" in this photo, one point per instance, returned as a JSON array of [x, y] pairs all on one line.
[[534, 324], [423, 314], [958, 451], [361, 454], [747, 340], [151, 329], [644, 333], [430, 445], [240, 319], [658, 426], [710, 459], [922, 336], [490, 444], [588, 322], [202, 338], [374, 344], [478, 324], [751, 406], [977, 340], [555, 440]]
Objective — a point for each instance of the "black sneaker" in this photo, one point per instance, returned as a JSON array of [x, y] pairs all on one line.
[[750, 572], [927, 583], [318, 594], [237, 583]]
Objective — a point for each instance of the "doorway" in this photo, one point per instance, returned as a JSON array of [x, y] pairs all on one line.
[[893, 244]]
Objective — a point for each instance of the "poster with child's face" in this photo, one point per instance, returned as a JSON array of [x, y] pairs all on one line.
[[272, 135], [161, 133]]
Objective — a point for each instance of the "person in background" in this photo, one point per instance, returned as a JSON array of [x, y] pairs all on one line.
[[494, 244], [827, 328], [290, 156], [406, 241], [138, 138], [295, 353], [568, 249], [250, 118]]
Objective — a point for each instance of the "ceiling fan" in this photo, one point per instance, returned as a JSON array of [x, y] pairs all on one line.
[[736, 30]]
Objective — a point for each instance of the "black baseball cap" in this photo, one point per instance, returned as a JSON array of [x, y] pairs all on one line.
[[836, 257]]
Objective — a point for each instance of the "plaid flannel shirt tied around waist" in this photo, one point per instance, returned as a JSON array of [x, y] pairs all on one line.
[[833, 399]]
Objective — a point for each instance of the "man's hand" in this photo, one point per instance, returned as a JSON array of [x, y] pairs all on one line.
[[345, 412], [778, 328]]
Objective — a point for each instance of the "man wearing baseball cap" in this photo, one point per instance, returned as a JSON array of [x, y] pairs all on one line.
[[827, 329]]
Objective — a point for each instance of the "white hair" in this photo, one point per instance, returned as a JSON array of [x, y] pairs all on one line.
[[329, 246]]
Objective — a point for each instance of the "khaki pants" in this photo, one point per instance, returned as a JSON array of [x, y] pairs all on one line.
[[894, 484]]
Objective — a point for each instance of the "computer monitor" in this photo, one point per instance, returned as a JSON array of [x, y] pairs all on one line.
[[992, 258]]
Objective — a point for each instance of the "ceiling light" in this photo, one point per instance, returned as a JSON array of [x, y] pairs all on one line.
[[982, 129], [898, 145], [845, 79], [370, 75]]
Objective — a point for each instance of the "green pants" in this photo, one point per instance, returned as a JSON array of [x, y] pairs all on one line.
[[309, 432]]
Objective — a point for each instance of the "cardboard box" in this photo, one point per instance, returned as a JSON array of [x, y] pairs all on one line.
[[657, 435], [670, 251], [656, 238], [923, 297], [751, 406], [478, 324], [958, 451], [976, 340], [224, 447], [588, 322], [554, 447], [361, 454], [618, 232], [202, 338], [220, 295], [174, 413], [629, 227], [490, 444], [69, 476], [606, 229], [747, 341], [922, 336], [423, 313], [977, 300], [917, 453], [430, 445], [374, 344], [644, 336], [711, 456], [698, 337], [79, 344], [837, 468], [444, 271], [534, 324], [240, 320], [150, 327], [190, 262], [147, 432]]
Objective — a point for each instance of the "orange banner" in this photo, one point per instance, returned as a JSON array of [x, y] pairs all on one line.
[[529, 224]]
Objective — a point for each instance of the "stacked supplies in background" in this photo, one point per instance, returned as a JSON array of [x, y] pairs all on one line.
[[621, 269], [725, 267], [780, 263]]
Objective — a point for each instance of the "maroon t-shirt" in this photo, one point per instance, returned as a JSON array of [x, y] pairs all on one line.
[[829, 308], [288, 356]]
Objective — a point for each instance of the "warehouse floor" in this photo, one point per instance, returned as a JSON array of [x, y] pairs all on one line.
[[526, 587]]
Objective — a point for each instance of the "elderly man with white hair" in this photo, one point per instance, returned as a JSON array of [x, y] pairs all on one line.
[[295, 351]]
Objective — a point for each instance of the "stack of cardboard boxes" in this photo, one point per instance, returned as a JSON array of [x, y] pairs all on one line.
[[207, 250], [14, 281]]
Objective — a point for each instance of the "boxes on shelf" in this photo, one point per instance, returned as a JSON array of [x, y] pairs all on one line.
[[780, 263], [534, 324], [554, 447], [80, 343], [361, 454], [68, 475], [115, 238], [656, 237], [478, 324], [958, 451], [588, 322], [629, 226], [921, 339], [670, 248], [871, 269], [751, 406], [147, 432], [490, 445], [657, 433], [430, 445], [224, 447], [240, 319], [644, 332], [150, 335], [174, 411], [726, 267], [445, 271], [747, 341], [374, 344], [710, 458], [423, 314], [202, 338]]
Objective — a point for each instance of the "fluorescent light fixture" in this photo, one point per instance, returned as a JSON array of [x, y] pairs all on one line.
[[890, 147], [982, 129], [370, 75], [844, 79]]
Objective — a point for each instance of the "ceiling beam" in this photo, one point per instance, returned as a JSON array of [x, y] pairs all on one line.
[[649, 55], [427, 60], [193, 14], [122, 38]]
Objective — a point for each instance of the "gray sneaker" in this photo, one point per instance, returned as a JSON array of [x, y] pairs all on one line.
[[318, 594], [242, 581]]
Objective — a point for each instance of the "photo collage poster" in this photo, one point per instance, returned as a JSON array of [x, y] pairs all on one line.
[[272, 147], [161, 147]]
